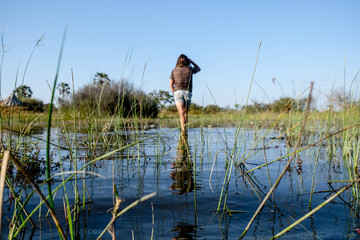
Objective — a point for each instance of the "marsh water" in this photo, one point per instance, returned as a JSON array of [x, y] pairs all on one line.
[[193, 198]]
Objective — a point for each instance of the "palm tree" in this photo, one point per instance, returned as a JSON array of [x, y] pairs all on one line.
[[101, 78], [23, 92], [64, 89]]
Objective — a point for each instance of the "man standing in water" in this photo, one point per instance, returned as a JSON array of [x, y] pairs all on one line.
[[181, 85]]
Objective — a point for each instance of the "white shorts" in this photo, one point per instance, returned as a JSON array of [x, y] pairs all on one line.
[[183, 96]]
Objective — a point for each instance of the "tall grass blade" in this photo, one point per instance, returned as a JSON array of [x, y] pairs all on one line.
[[2, 60], [32, 53], [48, 176]]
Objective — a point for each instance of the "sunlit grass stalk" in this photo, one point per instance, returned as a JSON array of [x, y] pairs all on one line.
[[117, 203], [153, 221], [303, 227]]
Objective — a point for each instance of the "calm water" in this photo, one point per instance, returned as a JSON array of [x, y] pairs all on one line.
[[185, 204]]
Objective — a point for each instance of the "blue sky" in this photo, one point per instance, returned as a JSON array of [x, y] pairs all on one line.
[[301, 41]]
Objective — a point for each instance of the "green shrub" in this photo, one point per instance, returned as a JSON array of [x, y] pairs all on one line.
[[256, 107], [111, 98], [171, 108], [34, 105], [195, 107], [288, 103], [212, 109]]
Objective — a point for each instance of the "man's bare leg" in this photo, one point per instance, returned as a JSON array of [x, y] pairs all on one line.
[[182, 113]]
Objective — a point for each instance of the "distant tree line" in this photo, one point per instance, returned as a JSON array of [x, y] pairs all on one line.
[[280, 105], [104, 96]]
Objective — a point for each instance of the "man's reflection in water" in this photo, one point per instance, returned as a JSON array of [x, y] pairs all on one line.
[[182, 172], [185, 231]]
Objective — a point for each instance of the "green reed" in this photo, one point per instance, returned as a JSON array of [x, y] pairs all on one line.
[[49, 125]]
